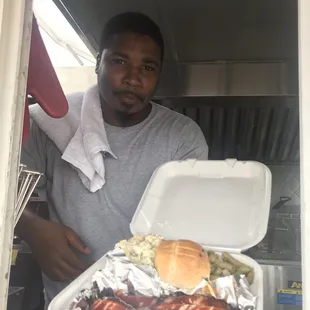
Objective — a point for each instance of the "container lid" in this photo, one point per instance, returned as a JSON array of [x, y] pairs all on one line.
[[223, 205]]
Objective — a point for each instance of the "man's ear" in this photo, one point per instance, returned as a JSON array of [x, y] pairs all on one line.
[[98, 58]]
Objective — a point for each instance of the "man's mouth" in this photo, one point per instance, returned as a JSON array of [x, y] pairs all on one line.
[[128, 96]]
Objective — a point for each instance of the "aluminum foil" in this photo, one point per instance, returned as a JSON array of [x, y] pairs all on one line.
[[236, 291], [120, 274], [246, 300], [119, 271]]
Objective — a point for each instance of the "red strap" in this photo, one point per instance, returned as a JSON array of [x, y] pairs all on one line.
[[43, 82]]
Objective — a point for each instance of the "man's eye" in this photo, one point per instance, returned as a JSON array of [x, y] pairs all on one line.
[[148, 68], [117, 61]]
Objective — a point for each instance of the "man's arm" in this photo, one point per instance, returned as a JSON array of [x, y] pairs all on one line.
[[50, 242], [192, 143]]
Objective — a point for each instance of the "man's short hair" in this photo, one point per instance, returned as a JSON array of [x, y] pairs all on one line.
[[131, 22]]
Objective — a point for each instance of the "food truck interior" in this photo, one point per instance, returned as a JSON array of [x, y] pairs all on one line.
[[232, 66]]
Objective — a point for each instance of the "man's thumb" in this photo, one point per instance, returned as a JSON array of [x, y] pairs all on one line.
[[76, 242]]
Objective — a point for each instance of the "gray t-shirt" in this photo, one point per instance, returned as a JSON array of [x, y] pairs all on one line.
[[102, 218]]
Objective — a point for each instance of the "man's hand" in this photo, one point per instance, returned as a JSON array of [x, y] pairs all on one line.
[[51, 244]]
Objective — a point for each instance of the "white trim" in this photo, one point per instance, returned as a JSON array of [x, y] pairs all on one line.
[[15, 30], [304, 110]]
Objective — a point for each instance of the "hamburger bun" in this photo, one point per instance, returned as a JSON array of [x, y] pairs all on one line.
[[182, 263]]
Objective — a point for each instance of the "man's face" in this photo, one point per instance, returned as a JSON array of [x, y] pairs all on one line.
[[128, 72]]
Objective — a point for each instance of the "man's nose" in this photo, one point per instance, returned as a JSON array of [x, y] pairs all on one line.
[[132, 77]]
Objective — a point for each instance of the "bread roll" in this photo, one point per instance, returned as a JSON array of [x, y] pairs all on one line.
[[182, 263]]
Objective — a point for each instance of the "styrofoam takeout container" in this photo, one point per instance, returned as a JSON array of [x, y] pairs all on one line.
[[223, 205]]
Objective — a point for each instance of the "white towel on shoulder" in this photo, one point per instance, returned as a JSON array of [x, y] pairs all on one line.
[[80, 136]]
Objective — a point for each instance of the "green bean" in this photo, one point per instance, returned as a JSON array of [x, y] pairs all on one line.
[[244, 269], [228, 258], [224, 265], [218, 272], [226, 273], [250, 277], [239, 273], [212, 258], [241, 267], [213, 277]]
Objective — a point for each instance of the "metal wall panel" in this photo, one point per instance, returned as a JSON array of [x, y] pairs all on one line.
[[252, 128]]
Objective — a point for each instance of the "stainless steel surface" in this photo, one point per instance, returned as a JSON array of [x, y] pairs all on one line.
[[286, 182], [272, 222], [27, 183], [282, 265], [224, 78], [256, 128], [286, 241], [213, 48], [277, 274]]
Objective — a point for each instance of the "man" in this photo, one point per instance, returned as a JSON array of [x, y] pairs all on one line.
[[86, 222]]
